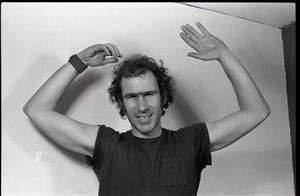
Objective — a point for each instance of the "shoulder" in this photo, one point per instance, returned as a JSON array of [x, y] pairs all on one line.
[[191, 131], [196, 133], [105, 134], [194, 129]]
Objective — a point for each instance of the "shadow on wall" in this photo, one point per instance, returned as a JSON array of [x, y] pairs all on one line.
[[73, 93], [15, 119], [250, 173], [184, 111], [76, 89]]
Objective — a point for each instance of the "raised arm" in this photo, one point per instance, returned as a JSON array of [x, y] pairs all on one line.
[[69, 133], [253, 108]]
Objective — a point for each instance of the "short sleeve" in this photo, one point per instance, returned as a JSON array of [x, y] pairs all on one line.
[[104, 137], [198, 135], [204, 155]]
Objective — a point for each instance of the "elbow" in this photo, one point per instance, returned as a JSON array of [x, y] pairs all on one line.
[[258, 114], [29, 110], [33, 111], [26, 109], [266, 111], [263, 113]]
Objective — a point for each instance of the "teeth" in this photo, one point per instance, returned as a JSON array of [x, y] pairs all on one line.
[[144, 117]]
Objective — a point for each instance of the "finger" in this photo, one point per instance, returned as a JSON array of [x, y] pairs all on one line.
[[202, 29], [112, 50], [194, 54], [198, 56], [110, 60], [101, 48], [191, 29], [189, 33], [117, 51], [188, 40]]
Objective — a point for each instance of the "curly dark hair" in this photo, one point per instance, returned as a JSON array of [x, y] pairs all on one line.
[[134, 66]]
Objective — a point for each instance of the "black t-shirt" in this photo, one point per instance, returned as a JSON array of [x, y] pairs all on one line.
[[170, 164]]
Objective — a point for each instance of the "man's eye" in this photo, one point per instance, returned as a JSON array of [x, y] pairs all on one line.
[[131, 97]]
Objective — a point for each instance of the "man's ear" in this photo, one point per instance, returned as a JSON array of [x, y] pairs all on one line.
[[122, 108], [121, 103], [163, 99]]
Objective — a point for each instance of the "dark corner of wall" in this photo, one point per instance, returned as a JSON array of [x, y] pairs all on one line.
[[289, 48]]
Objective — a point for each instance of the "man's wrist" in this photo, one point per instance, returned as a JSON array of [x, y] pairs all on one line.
[[77, 63], [226, 53]]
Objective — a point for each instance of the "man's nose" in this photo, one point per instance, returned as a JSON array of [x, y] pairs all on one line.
[[142, 104]]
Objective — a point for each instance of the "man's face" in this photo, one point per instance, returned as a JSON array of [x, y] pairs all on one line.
[[142, 102]]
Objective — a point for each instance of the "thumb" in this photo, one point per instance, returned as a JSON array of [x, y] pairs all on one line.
[[110, 60], [194, 55]]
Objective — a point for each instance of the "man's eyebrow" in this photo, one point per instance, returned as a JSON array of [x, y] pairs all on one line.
[[141, 93]]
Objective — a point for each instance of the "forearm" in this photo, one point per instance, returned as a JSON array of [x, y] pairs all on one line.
[[249, 97], [49, 94]]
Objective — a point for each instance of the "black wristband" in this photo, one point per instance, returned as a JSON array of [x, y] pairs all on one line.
[[77, 63]]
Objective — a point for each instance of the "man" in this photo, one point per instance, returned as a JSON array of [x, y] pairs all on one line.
[[148, 159]]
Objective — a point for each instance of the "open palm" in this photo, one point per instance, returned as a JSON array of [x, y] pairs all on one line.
[[208, 47]]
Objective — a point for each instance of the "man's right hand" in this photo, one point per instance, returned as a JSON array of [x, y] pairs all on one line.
[[100, 54]]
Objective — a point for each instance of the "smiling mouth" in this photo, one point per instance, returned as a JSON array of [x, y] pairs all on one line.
[[144, 117]]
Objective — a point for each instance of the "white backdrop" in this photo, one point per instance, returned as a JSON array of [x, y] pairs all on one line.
[[38, 38]]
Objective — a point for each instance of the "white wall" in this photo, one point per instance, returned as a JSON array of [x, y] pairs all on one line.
[[38, 38]]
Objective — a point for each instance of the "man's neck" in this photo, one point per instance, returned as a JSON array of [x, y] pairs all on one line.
[[151, 134]]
